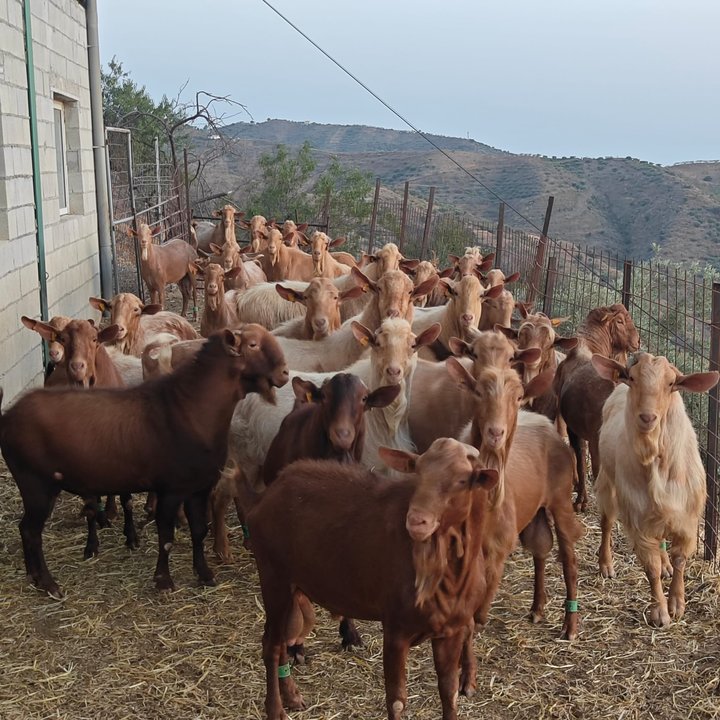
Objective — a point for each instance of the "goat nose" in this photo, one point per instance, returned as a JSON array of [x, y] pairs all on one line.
[[212, 287], [496, 433], [78, 366], [393, 313], [648, 418], [467, 318], [321, 322], [394, 372]]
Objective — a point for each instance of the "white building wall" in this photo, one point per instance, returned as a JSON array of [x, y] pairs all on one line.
[[71, 245]]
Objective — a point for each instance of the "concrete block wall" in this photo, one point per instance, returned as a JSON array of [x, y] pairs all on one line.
[[71, 244]]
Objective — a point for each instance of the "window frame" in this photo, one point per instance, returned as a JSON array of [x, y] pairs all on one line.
[[61, 163]]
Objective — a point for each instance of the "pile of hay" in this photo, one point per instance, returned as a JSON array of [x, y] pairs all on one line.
[[115, 648]]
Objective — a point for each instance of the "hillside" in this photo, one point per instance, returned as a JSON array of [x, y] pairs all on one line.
[[619, 204]]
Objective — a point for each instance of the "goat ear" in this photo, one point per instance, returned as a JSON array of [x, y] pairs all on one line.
[[364, 281], [305, 390], [528, 355], [383, 396], [508, 332], [566, 343], [494, 291], [460, 348], [400, 460], [460, 374], [239, 214], [151, 309], [539, 385], [364, 336], [337, 242], [302, 239], [428, 336], [454, 259], [425, 287], [289, 294], [216, 249], [196, 267], [100, 304], [485, 478], [351, 294], [287, 239], [244, 224], [156, 230], [555, 322], [512, 278], [45, 330], [29, 323], [409, 264], [108, 334], [217, 213], [447, 272], [487, 262], [130, 232], [302, 227], [697, 382], [447, 287], [609, 369], [233, 273], [524, 309]]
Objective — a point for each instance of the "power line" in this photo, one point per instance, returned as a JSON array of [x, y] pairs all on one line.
[[401, 117]]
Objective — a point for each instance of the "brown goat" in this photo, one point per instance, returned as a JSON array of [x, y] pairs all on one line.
[[536, 475], [581, 392], [87, 364], [257, 228], [217, 313], [280, 262], [324, 264], [207, 233], [406, 552], [169, 435], [163, 264]]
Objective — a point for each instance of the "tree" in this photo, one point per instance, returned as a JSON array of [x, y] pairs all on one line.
[[344, 194], [127, 105], [282, 191]]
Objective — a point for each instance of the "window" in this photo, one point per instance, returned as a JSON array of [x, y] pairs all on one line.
[[61, 155]]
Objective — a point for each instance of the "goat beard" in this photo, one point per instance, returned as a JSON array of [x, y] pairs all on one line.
[[441, 563], [212, 301], [648, 446]]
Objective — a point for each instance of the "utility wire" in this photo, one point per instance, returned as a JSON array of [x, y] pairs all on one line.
[[404, 119], [602, 281]]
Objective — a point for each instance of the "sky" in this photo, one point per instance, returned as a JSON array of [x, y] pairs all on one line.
[[586, 78]]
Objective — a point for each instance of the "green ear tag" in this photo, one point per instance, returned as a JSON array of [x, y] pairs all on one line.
[[246, 532], [101, 507], [571, 605], [664, 545], [284, 670]]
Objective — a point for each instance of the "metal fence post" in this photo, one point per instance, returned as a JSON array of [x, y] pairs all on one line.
[[403, 219], [712, 513], [540, 254], [188, 210], [133, 210], [627, 283], [373, 219], [550, 285], [499, 236], [111, 203], [428, 221]]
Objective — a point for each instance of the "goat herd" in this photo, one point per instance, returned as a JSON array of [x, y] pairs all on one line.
[[385, 431]]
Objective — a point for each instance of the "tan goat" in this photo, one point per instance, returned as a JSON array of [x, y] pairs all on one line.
[[651, 474]]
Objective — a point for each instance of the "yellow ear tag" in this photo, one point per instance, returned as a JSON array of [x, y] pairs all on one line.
[[365, 288], [364, 341], [308, 397]]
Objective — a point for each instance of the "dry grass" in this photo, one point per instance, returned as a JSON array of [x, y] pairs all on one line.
[[115, 648]]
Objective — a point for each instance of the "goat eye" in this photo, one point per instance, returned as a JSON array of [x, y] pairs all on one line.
[[364, 400]]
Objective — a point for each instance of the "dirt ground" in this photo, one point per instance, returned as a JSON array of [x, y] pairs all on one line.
[[116, 649]]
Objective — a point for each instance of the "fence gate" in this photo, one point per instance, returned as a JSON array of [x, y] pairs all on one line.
[[151, 193]]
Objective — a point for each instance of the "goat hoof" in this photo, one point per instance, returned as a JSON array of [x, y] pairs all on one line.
[[50, 587], [208, 581], [676, 607], [297, 653], [164, 584], [536, 616], [90, 552], [468, 687], [659, 617], [607, 571]]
